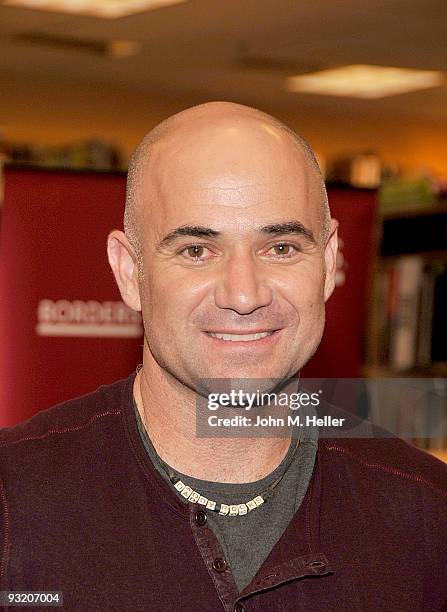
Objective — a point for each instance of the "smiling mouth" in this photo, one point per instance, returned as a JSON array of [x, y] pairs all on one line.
[[240, 337]]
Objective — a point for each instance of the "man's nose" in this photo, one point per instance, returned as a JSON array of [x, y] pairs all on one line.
[[242, 287]]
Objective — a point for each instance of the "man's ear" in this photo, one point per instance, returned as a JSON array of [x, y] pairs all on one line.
[[330, 259], [123, 262]]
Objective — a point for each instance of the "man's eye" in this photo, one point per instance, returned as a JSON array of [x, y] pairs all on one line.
[[283, 250], [196, 252]]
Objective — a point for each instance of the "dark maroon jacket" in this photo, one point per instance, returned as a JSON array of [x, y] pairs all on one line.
[[85, 512]]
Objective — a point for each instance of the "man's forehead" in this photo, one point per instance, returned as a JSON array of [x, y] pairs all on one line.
[[230, 214], [235, 194], [228, 165], [233, 212]]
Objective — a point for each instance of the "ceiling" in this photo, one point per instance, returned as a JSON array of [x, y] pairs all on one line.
[[238, 49]]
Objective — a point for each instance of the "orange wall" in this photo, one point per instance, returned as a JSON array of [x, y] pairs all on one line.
[[47, 112], [412, 144]]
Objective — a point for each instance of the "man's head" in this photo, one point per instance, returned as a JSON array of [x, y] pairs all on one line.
[[228, 234]]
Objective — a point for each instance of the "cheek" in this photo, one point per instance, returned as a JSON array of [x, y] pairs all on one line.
[[168, 299], [313, 307], [304, 290]]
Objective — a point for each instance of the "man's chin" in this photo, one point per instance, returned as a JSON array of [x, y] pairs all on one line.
[[250, 382]]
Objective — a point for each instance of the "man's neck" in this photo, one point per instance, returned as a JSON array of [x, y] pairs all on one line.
[[169, 416]]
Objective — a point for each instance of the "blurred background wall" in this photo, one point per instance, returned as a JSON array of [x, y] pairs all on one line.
[[60, 110]]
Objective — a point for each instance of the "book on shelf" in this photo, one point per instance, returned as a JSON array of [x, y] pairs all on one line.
[[423, 355], [404, 326], [411, 298]]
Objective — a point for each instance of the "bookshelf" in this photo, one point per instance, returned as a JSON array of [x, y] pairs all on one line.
[[407, 308]]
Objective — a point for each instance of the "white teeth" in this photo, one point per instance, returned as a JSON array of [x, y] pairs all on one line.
[[240, 337]]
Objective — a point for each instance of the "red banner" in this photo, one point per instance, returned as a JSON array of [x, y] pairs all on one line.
[[340, 353], [63, 327]]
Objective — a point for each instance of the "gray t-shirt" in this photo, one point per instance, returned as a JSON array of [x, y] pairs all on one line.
[[248, 539]]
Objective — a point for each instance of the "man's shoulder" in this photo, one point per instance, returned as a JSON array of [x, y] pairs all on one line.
[[51, 426], [390, 462]]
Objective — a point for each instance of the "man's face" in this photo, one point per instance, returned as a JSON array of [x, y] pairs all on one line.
[[234, 267]]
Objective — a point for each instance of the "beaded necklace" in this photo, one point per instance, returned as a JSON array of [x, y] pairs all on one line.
[[226, 509], [194, 497]]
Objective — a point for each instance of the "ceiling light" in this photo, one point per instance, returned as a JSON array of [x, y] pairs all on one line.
[[109, 9], [364, 81]]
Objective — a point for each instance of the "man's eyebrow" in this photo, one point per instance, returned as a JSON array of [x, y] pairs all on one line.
[[197, 231], [289, 227]]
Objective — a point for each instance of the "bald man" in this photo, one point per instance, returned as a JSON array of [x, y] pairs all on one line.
[[117, 500]]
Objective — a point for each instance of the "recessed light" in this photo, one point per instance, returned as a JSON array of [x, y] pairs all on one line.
[[365, 81], [108, 9]]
